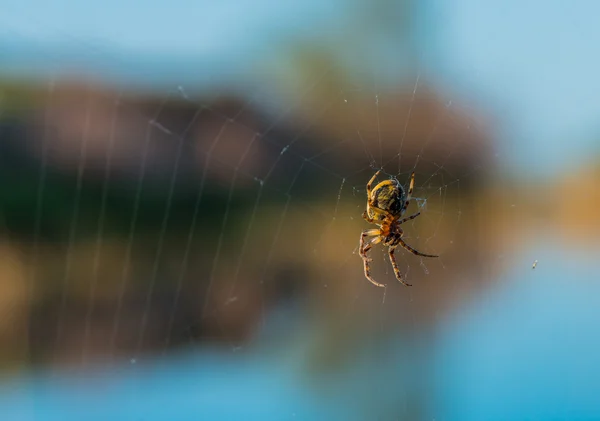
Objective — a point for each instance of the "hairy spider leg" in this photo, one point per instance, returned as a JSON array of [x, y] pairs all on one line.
[[370, 183], [410, 191], [408, 218], [375, 210], [413, 251], [396, 269], [364, 249]]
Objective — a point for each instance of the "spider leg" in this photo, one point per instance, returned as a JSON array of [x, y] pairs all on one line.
[[364, 248], [408, 218], [375, 211], [367, 268], [363, 252], [395, 266], [410, 191], [371, 181], [413, 251]]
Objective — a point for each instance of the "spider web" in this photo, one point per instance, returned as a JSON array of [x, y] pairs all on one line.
[[172, 220]]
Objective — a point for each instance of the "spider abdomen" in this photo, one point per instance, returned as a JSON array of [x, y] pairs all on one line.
[[387, 196]]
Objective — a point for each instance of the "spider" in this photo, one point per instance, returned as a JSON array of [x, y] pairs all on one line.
[[386, 203]]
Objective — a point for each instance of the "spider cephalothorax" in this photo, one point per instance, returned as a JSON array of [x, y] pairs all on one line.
[[386, 203]]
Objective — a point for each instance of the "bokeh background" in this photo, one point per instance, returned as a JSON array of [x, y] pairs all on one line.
[[181, 195]]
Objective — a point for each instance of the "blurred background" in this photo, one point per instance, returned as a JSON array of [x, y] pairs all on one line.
[[181, 194]]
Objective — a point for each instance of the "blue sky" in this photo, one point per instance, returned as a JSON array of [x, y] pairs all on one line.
[[537, 63], [531, 65]]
